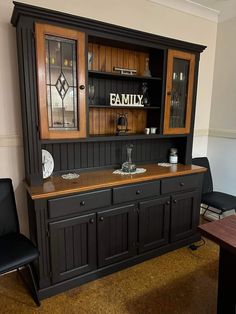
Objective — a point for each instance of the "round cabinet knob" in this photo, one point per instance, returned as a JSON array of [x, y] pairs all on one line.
[[82, 203], [174, 201], [91, 220], [138, 192], [101, 218], [181, 184], [82, 87], [168, 203]]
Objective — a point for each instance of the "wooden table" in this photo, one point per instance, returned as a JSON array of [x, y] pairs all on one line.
[[223, 232]]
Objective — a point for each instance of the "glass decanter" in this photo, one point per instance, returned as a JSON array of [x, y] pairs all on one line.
[[128, 166]]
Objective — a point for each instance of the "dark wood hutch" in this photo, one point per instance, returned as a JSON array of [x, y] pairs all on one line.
[[99, 223]]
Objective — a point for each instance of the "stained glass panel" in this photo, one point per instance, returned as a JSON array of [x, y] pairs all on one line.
[[62, 101]]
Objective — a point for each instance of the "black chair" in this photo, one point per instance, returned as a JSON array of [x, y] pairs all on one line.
[[221, 201], [16, 250]]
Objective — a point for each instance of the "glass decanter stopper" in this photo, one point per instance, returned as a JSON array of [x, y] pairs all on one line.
[[147, 71], [128, 166]]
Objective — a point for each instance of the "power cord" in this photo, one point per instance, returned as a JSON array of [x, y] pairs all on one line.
[[195, 246]]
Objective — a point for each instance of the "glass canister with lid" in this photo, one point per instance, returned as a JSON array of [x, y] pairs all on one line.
[[173, 158]]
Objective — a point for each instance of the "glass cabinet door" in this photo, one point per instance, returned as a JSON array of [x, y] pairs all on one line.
[[61, 82], [179, 92]]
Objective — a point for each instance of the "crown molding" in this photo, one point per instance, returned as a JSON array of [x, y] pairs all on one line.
[[190, 7]]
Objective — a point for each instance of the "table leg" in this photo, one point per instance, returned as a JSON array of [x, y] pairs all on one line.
[[226, 301]]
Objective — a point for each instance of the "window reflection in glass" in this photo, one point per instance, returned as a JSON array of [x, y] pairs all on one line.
[[179, 93]]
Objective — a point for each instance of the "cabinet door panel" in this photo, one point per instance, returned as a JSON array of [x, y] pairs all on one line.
[[73, 247], [154, 216], [61, 82], [179, 92], [117, 230], [185, 213]]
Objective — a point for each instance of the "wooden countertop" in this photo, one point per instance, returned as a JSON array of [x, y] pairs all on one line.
[[222, 231], [56, 186]]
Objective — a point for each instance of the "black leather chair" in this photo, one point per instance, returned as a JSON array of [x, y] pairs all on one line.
[[221, 201], [16, 250]]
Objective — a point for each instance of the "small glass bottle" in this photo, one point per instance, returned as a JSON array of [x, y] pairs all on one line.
[[173, 158]]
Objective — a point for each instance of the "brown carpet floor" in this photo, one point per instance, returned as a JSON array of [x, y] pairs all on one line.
[[182, 281]]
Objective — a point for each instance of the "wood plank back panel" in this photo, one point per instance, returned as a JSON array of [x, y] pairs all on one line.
[[75, 156], [105, 58], [103, 120]]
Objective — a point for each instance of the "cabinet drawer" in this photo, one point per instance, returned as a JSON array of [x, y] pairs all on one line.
[[135, 192], [180, 183], [78, 203]]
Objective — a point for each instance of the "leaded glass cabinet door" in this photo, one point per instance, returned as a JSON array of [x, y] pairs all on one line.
[[179, 92], [61, 82]]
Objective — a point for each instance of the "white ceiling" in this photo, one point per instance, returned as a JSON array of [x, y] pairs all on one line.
[[214, 10]]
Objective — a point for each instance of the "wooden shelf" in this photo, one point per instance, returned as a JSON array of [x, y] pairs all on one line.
[[124, 107], [113, 137], [122, 76]]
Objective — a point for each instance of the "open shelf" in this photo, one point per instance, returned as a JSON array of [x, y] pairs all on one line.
[[125, 107], [122, 76]]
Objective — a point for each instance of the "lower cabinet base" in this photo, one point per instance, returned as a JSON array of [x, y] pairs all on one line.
[[98, 273]]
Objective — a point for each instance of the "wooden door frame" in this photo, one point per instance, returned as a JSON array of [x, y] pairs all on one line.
[[191, 58], [40, 31]]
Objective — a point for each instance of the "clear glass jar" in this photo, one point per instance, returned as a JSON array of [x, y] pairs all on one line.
[[173, 158]]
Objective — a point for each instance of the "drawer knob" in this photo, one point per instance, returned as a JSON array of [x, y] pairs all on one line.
[[181, 184], [168, 203], [138, 192], [174, 201], [82, 203], [101, 218], [91, 220]]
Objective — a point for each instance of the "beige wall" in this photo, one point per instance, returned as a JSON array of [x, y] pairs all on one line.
[[222, 133], [137, 14], [223, 112]]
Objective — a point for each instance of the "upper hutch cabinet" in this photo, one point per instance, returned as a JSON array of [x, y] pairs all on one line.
[[179, 92], [61, 82]]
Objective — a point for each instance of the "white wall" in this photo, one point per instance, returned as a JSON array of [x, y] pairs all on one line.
[[222, 133], [136, 14]]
